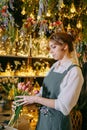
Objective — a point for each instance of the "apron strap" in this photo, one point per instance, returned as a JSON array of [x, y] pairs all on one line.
[[70, 67]]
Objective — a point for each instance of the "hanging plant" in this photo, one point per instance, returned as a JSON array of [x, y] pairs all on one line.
[[15, 8]]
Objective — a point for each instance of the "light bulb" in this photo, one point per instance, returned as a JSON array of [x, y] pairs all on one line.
[[73, 9], [23, 11], [79, 25], [69, 27], [38, 17], [32, 16], [48, 13], [62, 5]]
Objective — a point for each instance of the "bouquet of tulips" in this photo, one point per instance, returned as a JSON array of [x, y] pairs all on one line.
[[22, 89]]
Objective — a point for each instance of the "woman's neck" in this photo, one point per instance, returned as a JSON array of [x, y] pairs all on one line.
[[64, 59]]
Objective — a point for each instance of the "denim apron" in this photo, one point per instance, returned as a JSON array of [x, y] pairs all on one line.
[[49, 118]]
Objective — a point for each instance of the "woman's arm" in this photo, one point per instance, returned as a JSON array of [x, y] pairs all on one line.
[[70, 91], [25, 100]]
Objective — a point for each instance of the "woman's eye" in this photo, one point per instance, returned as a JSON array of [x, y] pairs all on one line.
[[53, 47]]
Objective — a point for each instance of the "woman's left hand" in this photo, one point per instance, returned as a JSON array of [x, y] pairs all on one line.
[[25, 100]]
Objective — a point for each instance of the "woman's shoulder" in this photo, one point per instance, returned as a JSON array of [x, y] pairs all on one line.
[[75, 67], [76, 71]]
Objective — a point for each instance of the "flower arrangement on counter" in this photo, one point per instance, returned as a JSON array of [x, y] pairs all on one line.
[[22, 89]]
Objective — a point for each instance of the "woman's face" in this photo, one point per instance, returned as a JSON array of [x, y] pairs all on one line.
[[56, 50]]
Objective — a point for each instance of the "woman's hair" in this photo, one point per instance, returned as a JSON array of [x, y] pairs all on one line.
[[61, 38]]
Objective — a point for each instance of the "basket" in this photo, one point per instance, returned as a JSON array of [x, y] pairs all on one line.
[[76, 118]]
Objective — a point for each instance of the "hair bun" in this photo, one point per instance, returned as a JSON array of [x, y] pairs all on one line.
[[72, 34]]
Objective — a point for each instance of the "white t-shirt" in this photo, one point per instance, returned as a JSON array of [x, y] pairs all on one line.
[[70, 87]]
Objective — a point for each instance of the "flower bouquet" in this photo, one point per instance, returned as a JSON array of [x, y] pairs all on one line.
[[22, 89]]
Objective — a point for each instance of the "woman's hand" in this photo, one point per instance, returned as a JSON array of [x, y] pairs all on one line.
[[14, 105], [24, 100]]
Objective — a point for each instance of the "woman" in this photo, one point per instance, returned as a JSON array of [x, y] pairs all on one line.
[[60, 89]]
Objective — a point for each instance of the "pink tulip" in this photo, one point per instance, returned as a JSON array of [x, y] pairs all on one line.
[[19, 86]]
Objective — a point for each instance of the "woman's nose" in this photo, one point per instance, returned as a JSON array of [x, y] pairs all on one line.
[[51, 51]]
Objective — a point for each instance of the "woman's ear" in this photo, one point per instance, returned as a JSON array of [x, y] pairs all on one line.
[[64, 48]]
